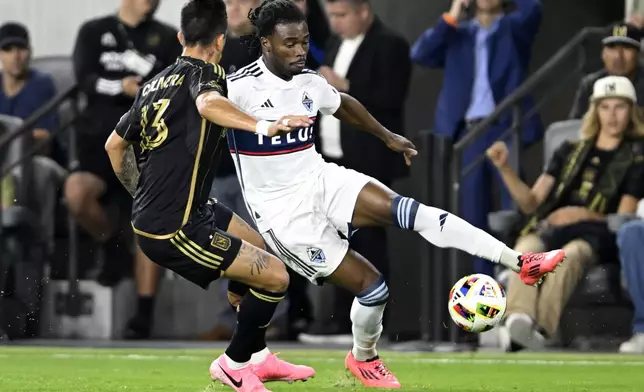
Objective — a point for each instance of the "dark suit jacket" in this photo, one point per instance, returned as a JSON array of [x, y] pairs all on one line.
[[585, 90], [452, 49], [379, 78]]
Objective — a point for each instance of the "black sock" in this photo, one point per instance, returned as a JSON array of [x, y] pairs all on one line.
[[255, 313], [146, 306]]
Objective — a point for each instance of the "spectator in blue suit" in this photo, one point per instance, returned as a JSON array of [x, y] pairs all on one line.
[[485, 58], [630, 240]]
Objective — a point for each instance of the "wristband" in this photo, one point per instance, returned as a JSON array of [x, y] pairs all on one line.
[[262, 127]]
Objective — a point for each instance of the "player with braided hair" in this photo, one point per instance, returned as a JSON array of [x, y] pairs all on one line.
[[306, 208]]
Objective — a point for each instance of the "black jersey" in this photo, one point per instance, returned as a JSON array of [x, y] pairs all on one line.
[[99, 66], [179, 148]]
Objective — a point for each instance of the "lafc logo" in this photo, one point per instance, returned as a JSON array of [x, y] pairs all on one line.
[[220, 242]]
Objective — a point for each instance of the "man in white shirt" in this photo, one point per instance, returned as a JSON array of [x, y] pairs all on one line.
[[306, 208]]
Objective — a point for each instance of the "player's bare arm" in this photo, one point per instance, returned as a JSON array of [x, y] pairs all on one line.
[[353, 112], [220, 110], [123, 161]]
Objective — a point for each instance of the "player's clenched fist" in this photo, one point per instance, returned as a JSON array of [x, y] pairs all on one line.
[[498, 154], [288, 124]]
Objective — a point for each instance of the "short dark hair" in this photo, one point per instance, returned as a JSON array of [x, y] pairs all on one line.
[[273, 12], [202, 21]]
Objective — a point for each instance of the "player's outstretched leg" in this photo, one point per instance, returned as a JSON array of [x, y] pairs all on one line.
[[378, 205], [266, 365], [361, 278]]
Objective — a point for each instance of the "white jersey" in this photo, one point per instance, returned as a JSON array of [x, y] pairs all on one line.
[[272, 168]]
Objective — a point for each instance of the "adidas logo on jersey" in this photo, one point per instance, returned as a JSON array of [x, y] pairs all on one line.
[[268, 104]]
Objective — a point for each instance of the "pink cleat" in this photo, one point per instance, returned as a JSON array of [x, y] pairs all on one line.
[[240, 380], [372, 374], [535, 265], [274, 369]]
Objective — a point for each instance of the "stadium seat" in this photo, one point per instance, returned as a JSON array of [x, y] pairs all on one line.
[[61, 68], [20, 251], [14, 153], [601, 286]]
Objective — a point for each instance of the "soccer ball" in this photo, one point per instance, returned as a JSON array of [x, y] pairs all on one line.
[[477, 303]]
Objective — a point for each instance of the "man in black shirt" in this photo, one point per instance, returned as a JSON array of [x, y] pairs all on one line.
[[179, 120], [620, 56], [112, 56]]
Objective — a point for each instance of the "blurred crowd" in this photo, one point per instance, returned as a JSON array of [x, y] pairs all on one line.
[[585, 201]]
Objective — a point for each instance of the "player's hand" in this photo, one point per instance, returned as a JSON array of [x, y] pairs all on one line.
[[498, 154], [289, 123], [402, 144], [458, 6], [131, 85]]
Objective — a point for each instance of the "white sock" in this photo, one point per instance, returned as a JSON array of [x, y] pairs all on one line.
[[260, 356], [235, 365], [446, 230], [367, 327]]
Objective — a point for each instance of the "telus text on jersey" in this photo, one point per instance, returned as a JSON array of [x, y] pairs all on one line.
[[298, 136]]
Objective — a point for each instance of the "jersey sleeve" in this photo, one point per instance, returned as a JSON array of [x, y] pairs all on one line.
[[209, 77], [330, 99], [129, 126]]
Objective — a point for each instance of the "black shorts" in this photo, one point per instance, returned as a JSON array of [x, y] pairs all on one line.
[[596, 234], [201, 250]]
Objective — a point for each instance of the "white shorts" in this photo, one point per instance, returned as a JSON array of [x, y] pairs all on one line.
[[312, 236]]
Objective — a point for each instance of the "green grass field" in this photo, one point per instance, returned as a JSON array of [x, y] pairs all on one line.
[[69, 370]]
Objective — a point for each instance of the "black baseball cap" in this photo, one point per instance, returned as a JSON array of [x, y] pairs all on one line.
[[624, 34], [13, 34]]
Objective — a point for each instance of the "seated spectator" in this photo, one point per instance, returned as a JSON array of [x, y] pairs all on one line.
[[22, 92], [567, 206], [631, 243], [620, 55], [112, 56]]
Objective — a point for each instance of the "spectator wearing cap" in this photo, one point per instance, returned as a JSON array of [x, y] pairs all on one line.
[[620, 55], [567, 207], [23, 91]]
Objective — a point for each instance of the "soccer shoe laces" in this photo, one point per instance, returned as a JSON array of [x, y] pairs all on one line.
[[382, 369]]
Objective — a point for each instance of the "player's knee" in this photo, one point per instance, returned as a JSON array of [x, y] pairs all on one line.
[[278, 279], [376, 294]]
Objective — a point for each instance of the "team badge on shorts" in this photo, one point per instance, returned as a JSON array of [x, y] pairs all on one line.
[[307, 102], [220, 242], [316, 255]]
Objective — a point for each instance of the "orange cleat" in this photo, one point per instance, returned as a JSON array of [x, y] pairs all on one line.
[[372, 373], [535, 265]]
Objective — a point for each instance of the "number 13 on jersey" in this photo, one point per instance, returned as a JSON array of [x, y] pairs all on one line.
[[158, 129]]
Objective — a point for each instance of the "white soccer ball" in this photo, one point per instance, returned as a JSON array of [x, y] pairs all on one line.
[[477, 303]]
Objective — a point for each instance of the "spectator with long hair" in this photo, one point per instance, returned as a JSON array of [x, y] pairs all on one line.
[[568, 205]]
